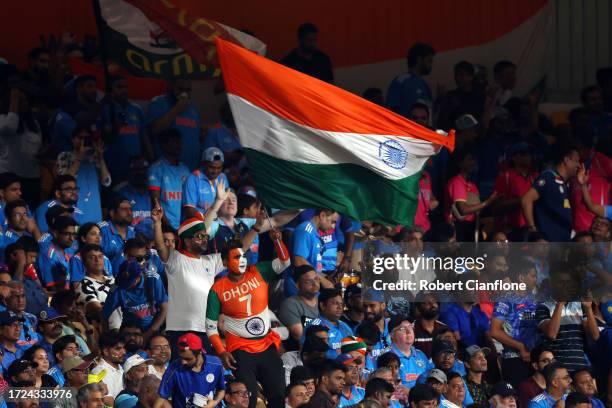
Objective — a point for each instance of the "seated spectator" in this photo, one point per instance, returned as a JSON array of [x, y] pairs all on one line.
[[10, 190], [147, 393], [21, 259], [184, 380], [296, 394], [132, 337], [536, 384], [142, 299], [21, 373], [200, 188], [86, 163], [469, 324], [428, 308], [374, 308], [135, 369], [391, 361], [66, 194], [413, 361], [297, 311], [476, 365], [160, 352], [135, 189], [354, 308], [112, 350], [50, 328], [54, 258], [302, 375], [135, 249], [88, 234], [63, 348], [379, 390], [307, 58], [75, 322], [176, 111], [16, 303], [577, 400], [166, 177], [225, 136], [118, 228], [75, 370], [455, 392], [38, 356], [422, 396], [330, 311], [503, 395], [93, 290], [351, 393], [10, 331], [19, 224], [330, 385], [236, 395], [558, 382], [584, 383]]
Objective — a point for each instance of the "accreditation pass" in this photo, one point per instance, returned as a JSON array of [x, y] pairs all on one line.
[[16, 394]]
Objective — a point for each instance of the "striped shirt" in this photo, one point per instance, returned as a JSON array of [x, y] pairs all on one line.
[[568, 347]]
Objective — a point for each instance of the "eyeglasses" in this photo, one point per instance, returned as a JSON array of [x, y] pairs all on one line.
[[404, 329], [447, 354], [200, 237], [246, 394]]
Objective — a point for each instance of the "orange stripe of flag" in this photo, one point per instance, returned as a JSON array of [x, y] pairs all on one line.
[[308, 101]]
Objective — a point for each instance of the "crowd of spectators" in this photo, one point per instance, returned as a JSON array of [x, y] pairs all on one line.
[[141, 269]]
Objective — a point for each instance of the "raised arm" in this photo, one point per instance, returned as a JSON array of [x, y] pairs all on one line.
[[157, 214], [583, 179]]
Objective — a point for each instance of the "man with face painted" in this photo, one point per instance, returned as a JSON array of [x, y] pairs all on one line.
[[252, 347]]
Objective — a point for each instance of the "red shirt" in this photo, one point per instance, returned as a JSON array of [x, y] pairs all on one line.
[[512, 184], [421, 218], [458, 189], [527, 390], [600, 175]]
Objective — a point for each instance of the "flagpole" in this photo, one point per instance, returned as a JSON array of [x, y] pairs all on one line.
[[104, 57]]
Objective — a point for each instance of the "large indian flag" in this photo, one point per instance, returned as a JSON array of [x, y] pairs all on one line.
[[312, 145]]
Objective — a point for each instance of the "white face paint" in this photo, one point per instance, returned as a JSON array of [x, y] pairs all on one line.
[[242, 262]]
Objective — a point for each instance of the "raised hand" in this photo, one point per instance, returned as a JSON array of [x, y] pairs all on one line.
[[157, 213]]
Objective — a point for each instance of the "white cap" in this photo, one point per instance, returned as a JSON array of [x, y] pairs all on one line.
[[134, 361]]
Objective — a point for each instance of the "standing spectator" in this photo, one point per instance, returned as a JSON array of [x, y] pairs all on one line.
[[330, 386], [251, 346], [428, 308], [159, 351], [504, 73], [546, 205], [177, 112], [20, 137], [476, 365], [236, 395], [64, 348], [88, 234], [512, 184], [330, 310], [514, 324], [66, 195], [564, 322], [86, 163], [419, 113], [427, 203], [351, 393], [200, 188], [584, 383], [167, 175], [141, 298], [10, 190], [600, 122], [536, 384], [16, 303], [135, 190], [354, 308], [19, 223], [455, 392], [118, 228], [125, 131], [469, 324], [10, 331], [54, 258], [503, 395], [194, 379], [147, 393], [225, 136], [296, 394], [462, 197], [307, 58], [558, 382], [93, 290], [307, 244], [190, 274], [112, 350], [465, 99], [297, 311], [413, 361], [407, 89]]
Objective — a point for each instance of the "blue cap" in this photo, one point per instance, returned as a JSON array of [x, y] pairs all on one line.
[[8, 317], [212, 154], [129, 271], [373, 295], [126, 401], [145, 227], [49, 314]]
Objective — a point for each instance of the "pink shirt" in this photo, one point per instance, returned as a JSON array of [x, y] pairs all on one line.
[[421, 218], [457, 189], [600, 175]]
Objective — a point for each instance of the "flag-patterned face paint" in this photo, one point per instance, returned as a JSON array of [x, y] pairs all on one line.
[[237, 262]]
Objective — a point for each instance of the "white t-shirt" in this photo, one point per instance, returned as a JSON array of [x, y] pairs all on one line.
[[113, 378], [92, 290], [189, 281]]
